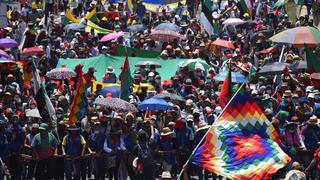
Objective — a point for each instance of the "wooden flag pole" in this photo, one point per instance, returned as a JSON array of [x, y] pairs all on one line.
[[205, 135]]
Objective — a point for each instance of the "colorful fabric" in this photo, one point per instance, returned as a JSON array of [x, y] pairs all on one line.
[[158, 5], [136, 87], [73, 146], [226, 90], [246, 5], [80, 101], [97, 29], [242, 143]]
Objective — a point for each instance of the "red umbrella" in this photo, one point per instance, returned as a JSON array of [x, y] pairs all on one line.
[[32, 51], [223, 43]]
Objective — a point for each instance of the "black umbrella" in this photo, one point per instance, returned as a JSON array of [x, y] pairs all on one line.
[[298, 65], [170, 97], [273, 68]]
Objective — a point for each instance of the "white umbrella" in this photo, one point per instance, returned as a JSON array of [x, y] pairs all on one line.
[[33, 113], [233, 21]]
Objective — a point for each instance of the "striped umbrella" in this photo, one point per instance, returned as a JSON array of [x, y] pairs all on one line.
[[197, 64], [299, 37], [165, 35]]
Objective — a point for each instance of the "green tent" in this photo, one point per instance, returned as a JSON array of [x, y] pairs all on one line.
[[101, 62]]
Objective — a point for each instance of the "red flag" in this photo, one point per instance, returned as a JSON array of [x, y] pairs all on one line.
[[226, 90]]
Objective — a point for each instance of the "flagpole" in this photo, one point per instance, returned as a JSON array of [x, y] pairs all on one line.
[[194, 150]]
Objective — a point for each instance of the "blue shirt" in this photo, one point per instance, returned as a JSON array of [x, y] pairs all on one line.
[[97, 141]]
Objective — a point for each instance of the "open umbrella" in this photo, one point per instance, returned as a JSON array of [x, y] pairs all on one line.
[[61, 73], [170, 26], [273, 68], [147, 63], [165, 35], [114, 90], [196, 63], [236, 77], [233, 21], [299, 37], [4, 54], [315, 76], [116, 104], [75, 27], [298, 65], [32, 51], [170, 97], [136, 28], [8, 43], [223, 43], [111, 36], [154, 104], [5, 60]]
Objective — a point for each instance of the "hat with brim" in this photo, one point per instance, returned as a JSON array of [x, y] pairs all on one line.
[[44, 127], [202, 126], [110, 70], [73, 128], [166, 131], [287, 93], [313, 120]]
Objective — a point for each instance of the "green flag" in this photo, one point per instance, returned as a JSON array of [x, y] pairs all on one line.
[[125, 80], [313, 61], [278, 4]]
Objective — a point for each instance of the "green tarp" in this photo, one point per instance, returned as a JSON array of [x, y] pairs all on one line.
[[133, 52], [101, 62]]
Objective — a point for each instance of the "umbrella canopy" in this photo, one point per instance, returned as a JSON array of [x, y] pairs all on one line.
[[61, 73], [111, 36], [315, 76], [147, 63], [223, 43], [114, 90], [197, 64], [75, 27], [136, 28], [33, 113], [298, 65], [169, 97], [170, 26], [5, 60], [116, 104], [32, 51], [165, 35], [273, 68], [8, 43], [4, 54], [236, 77], [154, 104], [233, 21], [299, 37]]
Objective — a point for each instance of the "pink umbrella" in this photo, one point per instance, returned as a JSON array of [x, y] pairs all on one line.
[[111, 36], [165, 35], [233, 21], [4, 54]]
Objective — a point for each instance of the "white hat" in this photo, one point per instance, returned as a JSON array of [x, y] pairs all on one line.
[[104, 47], [189, 102], [110, 70], [310, 95], [309, 89], [151, 74], [189, 117], [196, 111], [77, 33], [218, 110]]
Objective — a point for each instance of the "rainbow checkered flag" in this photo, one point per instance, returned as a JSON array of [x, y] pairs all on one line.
[[242, 143]]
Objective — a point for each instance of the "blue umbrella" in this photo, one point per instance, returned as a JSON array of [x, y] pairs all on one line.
[[75, 27], [154, 104], [114, 90], [136, 28], [170, 26], [236, 77]]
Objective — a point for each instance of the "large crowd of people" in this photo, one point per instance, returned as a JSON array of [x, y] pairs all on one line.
[[106, 143]]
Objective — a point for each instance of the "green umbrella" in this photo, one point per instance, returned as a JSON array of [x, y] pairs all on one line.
[[197, 64]]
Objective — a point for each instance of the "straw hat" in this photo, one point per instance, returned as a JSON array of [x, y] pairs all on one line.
[[287, 93], [166, 131], [202, 126], [166, 175], [313, 120]]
